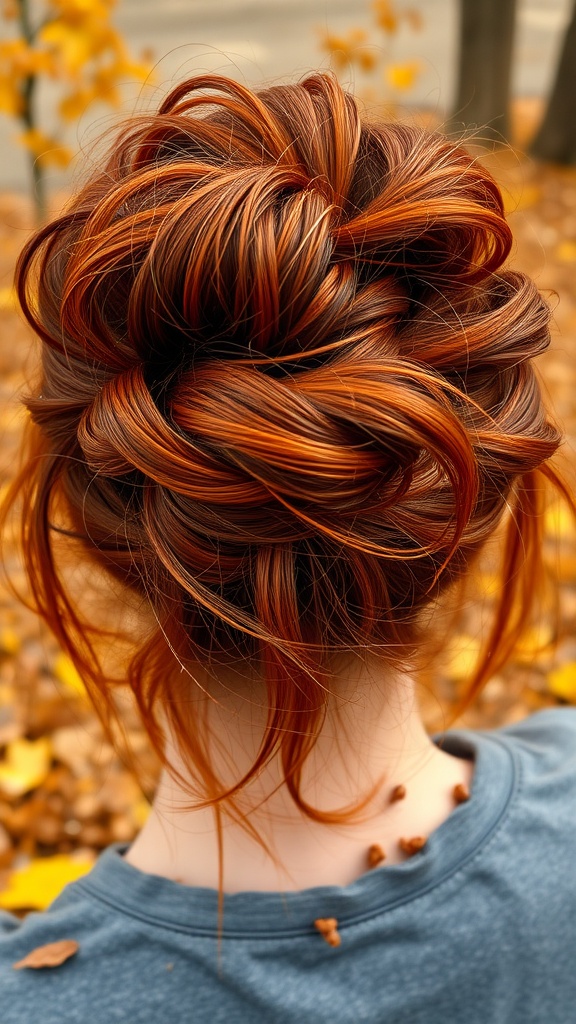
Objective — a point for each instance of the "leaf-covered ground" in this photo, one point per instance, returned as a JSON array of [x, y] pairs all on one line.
[[64, 794]]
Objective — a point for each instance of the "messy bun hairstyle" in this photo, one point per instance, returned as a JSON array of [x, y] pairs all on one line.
[[286, 395]]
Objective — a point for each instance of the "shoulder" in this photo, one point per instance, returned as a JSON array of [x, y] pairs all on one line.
[[540, 820], [9, 923], [71, 921], [544, 743]]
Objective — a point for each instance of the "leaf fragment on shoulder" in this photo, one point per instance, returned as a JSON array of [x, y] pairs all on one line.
[[51, 955]]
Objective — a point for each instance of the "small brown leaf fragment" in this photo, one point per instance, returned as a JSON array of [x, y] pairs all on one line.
[[328, 928], [51, 955], [375, 855], [461, 793], [412, 846], [398, 793]]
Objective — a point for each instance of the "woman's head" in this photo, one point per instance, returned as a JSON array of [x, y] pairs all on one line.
[[286, 394]]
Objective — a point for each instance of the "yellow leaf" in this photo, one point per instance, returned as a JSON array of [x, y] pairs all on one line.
[[462, 657], [8, 298], [79, 11], [402, 76], [562, 681], [11, 101], [26, 765], [489, 584], [37, 884], [386, 17], [18, 60], [75, 104], [534, 643], [45, 149], [75, 45], [66, 673], [140, 811], [559, 522], [348, 49], [9, 641]]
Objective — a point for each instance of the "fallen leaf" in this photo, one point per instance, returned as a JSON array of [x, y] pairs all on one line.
[[66, 673], [562, 681], [140, 811], [9, 641], [26, 765], [41, 881], [51, 955]]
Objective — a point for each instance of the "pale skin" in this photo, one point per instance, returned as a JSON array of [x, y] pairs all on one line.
[[379, 735]]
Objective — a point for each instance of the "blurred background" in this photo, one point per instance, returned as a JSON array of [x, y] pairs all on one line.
[[504, 70]]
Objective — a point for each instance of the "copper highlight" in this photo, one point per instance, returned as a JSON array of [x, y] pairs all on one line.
[[286, 397]]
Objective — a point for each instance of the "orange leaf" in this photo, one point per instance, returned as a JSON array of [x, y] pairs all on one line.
[[51, 955]]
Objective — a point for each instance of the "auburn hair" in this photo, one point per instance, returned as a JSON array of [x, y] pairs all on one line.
[[286, 396]]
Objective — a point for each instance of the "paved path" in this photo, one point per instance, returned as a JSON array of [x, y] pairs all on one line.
[[258, 40]]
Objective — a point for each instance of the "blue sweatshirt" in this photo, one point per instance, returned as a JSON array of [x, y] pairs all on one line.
[[477, 928]]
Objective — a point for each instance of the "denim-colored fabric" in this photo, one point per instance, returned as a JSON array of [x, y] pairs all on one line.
[[478, 928]]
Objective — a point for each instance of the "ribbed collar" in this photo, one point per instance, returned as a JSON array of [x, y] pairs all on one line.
[[259, 915]]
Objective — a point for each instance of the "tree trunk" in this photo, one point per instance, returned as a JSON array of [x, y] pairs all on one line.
[[485, 61], [556, 138]]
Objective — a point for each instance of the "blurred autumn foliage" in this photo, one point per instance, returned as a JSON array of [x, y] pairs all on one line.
[[74, 44], [370, 51]]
